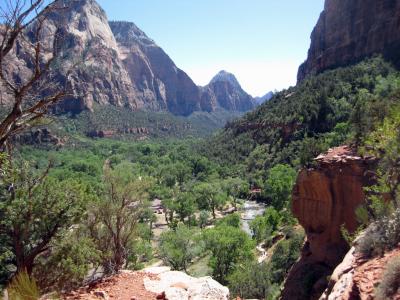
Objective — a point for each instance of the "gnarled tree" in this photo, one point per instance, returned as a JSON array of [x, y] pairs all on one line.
[[26, 98]]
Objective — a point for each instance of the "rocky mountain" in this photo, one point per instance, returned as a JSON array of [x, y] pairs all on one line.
[[350, 30], [225, 91], [116, 63], [262, 99], [159, 83]]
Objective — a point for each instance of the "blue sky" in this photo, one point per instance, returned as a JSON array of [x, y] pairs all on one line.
[[261, 41]]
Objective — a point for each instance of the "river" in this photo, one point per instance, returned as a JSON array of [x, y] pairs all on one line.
[[250, 210]]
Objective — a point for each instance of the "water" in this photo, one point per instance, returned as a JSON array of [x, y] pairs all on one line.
[[250, 210]]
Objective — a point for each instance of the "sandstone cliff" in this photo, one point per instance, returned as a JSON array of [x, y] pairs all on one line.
[[324, 199], [350, 30]]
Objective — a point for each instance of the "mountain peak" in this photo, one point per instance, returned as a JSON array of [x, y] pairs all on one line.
[[226, 77], [127, 32]]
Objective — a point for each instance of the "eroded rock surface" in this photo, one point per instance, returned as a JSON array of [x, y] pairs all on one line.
[[152, 283], [324, 199], [350, 30]]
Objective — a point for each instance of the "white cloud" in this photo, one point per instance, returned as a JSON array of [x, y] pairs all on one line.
[[255, 77]]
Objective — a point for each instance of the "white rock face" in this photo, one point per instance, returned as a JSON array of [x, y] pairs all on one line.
[[180, 286]]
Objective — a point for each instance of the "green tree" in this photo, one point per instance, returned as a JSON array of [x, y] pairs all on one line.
[[35, 210], [236, 188], [113, 220], [209, 196], [279, 185], [178, 247], [229, 246]]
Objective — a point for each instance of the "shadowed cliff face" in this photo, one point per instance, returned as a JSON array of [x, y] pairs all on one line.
[[157, 80], [350, 30], [324, 199]]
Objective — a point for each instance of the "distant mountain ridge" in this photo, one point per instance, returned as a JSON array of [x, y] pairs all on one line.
[[262, 99], [121, 66]]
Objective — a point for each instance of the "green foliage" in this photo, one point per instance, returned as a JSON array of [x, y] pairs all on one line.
[[390, 282], [35, 210], [299, 123], [279, 185], [252, 280], [113, 220], [285, 255], [229, 247], [68, 264], [23, 287], [230, 220], [203, 218], [209, 196], [382, 208], [179, 247], [264, 226]]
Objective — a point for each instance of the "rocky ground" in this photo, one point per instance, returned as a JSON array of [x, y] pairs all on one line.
[[357, 278], [152, 283]]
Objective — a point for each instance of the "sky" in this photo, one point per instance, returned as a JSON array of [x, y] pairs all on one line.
[[262, 42]]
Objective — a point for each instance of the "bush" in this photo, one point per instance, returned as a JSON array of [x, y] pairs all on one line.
[[380, 236], [68, 264], [390, 283]]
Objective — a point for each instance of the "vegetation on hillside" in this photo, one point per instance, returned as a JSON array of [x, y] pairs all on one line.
[[89, 202]]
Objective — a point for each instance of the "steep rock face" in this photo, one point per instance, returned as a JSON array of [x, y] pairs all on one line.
[[350, 30], [324, 199], [160, 84], [115, 63], [228, 93], [89, 54]]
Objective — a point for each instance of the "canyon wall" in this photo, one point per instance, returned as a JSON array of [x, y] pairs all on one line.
[[349, 30], [324, 200]]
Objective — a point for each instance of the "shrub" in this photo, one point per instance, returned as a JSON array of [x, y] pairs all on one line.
[[68, 264], [382, 235], [390, 283]]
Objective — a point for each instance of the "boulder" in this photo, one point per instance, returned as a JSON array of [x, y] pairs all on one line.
[[179, 285]]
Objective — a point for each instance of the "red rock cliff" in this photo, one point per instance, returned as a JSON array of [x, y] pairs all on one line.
[[325, 198], [350, 30]]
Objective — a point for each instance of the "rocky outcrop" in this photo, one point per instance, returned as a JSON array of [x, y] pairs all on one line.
[[38, 137], [350, 30], [357, 278], [225, 91], [111, 133], [177, 285], [152, 283], [324, 199]]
